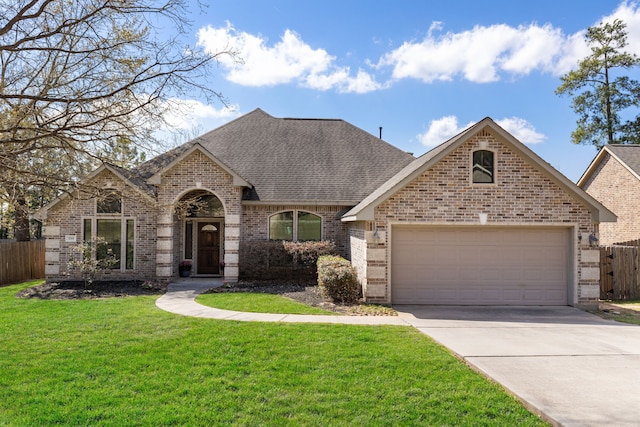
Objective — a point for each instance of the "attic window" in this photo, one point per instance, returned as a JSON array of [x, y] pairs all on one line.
[[483, 167]]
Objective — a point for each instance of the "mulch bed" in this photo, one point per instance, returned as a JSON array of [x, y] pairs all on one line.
[[68, 290], [307, 294]]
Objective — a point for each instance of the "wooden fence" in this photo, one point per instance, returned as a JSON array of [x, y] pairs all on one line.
[[21, 261], [619, 274]]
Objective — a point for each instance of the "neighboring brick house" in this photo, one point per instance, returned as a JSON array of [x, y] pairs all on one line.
[[613, 178], [480, 219]]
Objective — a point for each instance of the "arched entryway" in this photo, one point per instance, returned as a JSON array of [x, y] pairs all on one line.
[[203, 237]]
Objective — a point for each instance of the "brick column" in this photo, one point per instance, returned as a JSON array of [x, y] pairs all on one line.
[[52, 250], [376, 261], [164, 247], [231, 248]]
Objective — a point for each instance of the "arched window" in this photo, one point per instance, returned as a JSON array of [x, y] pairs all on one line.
[[205, 206], [109, 202], [483, 167], [295, 225]]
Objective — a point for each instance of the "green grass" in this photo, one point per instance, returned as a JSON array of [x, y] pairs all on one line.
[[124, 362], [626, 311], [257, 303]]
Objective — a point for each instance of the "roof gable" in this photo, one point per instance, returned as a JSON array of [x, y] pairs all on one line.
[[365, 209], [627, 155], [124, 175], [156, 178]]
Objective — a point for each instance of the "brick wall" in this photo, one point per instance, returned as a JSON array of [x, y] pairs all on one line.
[[255, 222], [358, 251], [159, 233], [197, 172], [444, 195], [617, 189], [65, 219]]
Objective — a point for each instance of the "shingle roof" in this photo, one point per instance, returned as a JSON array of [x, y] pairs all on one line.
[[297, 160], [629, 154]]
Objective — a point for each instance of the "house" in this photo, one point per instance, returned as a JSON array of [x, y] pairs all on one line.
[[480, 219], [613, 178]]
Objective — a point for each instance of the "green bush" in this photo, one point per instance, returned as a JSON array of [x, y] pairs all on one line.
[[338, 280], [278, 260]]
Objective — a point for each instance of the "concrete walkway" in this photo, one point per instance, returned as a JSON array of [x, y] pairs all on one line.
[[571, 367], [181, 294]]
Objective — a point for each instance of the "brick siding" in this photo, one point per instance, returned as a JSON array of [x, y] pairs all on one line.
[[66, 219], [255, 222], [617, 189], [444, 195], [159, 233]]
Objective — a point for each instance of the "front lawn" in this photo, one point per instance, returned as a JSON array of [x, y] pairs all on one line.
[[257, 303], [122, 361]]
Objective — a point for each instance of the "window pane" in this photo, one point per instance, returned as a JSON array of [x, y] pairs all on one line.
[[110, 230], [483, 166], [130, 245], [86, 231], [309, 226], [188, 240], [110, 203], [281, 226], [206, 206]]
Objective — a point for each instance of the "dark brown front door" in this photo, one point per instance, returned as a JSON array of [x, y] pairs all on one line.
[[208, 248]]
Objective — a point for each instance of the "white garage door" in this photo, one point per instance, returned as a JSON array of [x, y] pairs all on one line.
[[479, 265]]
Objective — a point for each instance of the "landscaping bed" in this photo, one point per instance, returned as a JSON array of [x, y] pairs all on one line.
[[304, 293], [100, 289], [307, 294]]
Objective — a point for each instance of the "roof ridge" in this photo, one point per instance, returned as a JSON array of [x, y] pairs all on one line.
[[311, 118]]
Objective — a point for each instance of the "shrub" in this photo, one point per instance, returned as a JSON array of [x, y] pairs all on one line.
[[264, 260], [278, 260], [338, 280], [93, 258], [306, 254]]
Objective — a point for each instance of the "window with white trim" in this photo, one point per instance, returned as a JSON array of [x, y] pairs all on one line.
[[295, 225]]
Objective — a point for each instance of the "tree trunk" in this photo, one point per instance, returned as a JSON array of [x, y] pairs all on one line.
[[21, 224]]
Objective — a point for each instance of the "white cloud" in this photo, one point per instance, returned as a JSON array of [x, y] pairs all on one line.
[[485, 53], [521, 129], [185, 119], [479, 55], [629, 13], [187, 114], [441, 130], [287, 61], [482, 54], [574, 47]]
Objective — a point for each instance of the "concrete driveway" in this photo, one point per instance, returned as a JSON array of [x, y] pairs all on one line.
[[570, 366]]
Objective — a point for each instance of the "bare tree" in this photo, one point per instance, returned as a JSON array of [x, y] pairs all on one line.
[[80, 77]]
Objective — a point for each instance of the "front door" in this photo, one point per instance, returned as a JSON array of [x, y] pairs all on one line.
[[208, 248]]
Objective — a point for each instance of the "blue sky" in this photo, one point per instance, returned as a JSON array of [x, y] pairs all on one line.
[[423, 70]]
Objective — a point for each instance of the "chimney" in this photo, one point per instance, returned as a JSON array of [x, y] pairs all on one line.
[[380, 132]]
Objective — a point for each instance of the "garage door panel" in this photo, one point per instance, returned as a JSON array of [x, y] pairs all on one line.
[[480, 266]]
